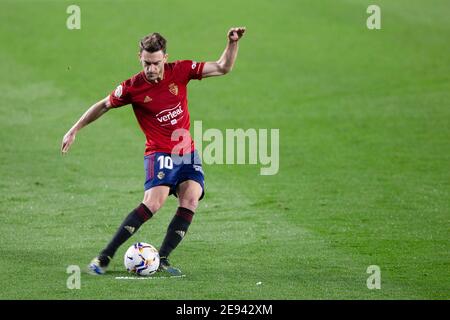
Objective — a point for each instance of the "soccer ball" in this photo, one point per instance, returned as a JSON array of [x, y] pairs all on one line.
[[142, 258]]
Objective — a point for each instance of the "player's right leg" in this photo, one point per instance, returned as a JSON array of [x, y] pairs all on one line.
[[154, 198]]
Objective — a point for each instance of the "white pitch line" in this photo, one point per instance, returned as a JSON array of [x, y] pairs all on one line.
[[148, 278]]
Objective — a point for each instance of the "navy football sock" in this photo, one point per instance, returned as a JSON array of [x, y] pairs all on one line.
[[176, 231], [129, 226]]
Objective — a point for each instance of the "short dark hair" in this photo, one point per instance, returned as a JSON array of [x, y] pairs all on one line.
[[153, 42]]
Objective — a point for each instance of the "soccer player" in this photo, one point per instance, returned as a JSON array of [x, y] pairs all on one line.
[[158, 95]]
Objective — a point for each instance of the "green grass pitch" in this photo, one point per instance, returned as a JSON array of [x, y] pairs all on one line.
[[364, 119]]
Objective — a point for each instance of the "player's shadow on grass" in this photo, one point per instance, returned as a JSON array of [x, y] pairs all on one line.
[[116, 273], [126, 275]]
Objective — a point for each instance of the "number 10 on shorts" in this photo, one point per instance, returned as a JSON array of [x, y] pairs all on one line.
[[165, 162]]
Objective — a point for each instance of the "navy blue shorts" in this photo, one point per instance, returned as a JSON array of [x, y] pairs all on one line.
[[165, 169]]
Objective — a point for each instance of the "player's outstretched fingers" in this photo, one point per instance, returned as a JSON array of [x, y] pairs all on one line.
[[67, 141]]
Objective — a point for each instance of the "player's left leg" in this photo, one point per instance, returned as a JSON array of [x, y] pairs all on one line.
[[189, 193]]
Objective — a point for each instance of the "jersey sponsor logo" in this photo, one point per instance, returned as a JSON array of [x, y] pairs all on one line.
[[118, 91], [170, 116], [173, 88], [147, 99]]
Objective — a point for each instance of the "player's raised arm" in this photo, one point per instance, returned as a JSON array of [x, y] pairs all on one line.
[[92, 114], [226, 62]]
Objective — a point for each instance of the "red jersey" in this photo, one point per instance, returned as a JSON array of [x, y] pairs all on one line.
[[160, 108]]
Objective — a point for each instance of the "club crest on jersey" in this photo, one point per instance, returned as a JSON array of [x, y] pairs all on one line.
[[173, 88]]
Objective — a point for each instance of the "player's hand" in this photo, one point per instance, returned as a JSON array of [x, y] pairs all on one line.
[[67, 141], [234, 34]]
